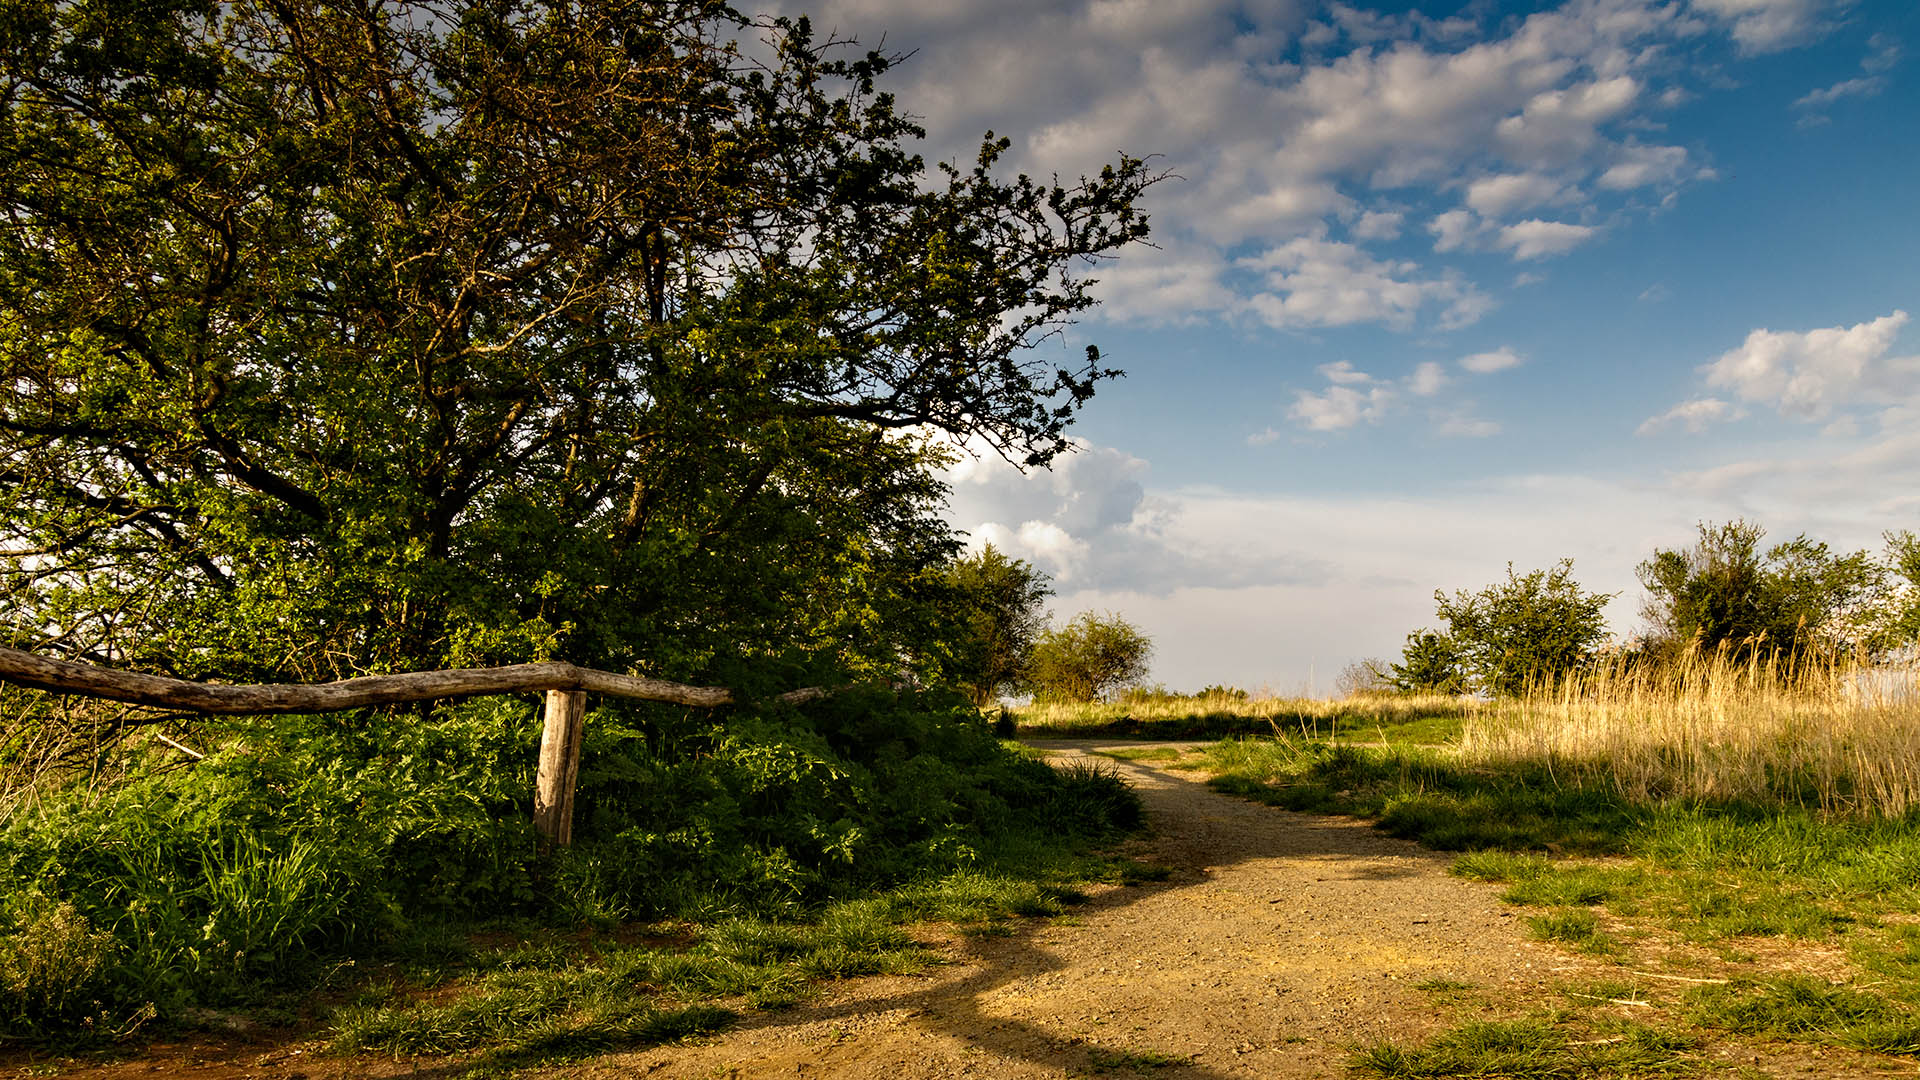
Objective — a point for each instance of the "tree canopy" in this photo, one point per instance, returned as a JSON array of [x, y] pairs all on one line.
[[1001, 616], [1532, 628], [1089, 657], [351, 337], [1726, 591]]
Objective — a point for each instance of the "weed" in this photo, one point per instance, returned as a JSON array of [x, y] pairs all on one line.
[[1576, 928], [1139, 1060], [1529, 1049]]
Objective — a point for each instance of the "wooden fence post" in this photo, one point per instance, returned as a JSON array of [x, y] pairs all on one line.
[[559, 766]]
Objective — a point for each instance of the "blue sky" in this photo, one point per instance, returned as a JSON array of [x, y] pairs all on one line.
[[1447, 285]]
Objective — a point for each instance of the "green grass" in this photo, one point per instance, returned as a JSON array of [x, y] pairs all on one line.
[[1710, 880], [1418, 719], [552, 998], [1105, 1058], [1142, 753], [1532, 1049]]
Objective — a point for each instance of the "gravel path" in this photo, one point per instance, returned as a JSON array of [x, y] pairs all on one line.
[[1279, 942]]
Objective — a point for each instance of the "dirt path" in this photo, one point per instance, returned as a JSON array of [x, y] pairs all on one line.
[[1280, 940]]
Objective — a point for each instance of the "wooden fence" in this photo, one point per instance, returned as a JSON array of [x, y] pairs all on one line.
[[566, 687]]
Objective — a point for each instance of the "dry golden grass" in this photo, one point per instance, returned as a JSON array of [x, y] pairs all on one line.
[[1843, 740], [1419, 718]]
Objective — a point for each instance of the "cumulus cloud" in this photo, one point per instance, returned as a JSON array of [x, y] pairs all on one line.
[[1378, 225], [1339, 407], [1427, 379], [1487, 363], [1312, 283], [1636, 165], [1537, 239], [1763, 26], [1696, 416], [1807, 375], [1497, 196], [1506, 115]]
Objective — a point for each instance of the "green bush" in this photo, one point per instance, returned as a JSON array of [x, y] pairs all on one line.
[[304, 841], [52, 962]]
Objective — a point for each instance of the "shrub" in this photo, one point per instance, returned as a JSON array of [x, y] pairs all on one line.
[[52, 964], [1089, 657]]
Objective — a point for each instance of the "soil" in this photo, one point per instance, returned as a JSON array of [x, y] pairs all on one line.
[[1279, 943]]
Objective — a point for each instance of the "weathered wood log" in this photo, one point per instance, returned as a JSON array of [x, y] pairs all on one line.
[[559, 767], [160, 692]]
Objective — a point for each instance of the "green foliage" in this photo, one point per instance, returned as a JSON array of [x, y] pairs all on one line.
[[1527, 630], [1725, 593], [1000, 616], [1799, 1006], [1530, 1049], [1090, 657], [52, 964], [339, 341], [307, 840], [1901, 628], [1430, 663]]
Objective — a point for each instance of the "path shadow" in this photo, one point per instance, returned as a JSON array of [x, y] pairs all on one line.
[[957, 1007]]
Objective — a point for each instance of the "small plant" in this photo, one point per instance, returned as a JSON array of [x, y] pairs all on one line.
[[53, 963], [1104, 1058]]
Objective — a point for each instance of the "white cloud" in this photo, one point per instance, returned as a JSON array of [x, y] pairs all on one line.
[[1867, 86], [1511, 114], [1487, 363], [1378, 225], [1809, 375], [1249, 588], [1696, 416], [1454, 229], [1497, 196], [1310, 283], [1467, 426], [1339, 407], [1343, 373], [1427, 379], [1638, 165], [1762, 26], [1536, 239], [1884, 52]]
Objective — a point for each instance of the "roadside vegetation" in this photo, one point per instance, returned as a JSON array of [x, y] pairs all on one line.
[[1735, 839], [351, 341], [750, 854], [1156, 713]]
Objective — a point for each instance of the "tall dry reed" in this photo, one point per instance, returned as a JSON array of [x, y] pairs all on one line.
[[1712, 727]]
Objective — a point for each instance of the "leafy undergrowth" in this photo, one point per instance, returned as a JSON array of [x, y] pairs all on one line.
[[1761, 922], [786, 844]]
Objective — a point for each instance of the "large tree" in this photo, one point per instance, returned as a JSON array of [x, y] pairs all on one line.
[[1000, 613], [360, 336], [1727, 592]]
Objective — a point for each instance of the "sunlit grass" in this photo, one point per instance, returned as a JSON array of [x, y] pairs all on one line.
[[1715, 730], [1425, 718]]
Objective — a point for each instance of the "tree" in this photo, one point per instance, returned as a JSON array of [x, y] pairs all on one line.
[[1724, 592], [1900, 629], [1525, 631], [1000, 619], [350, 337], [1429, 664], [1088, 658]]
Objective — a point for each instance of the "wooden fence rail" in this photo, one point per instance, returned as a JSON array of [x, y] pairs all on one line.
[[566, 687]]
